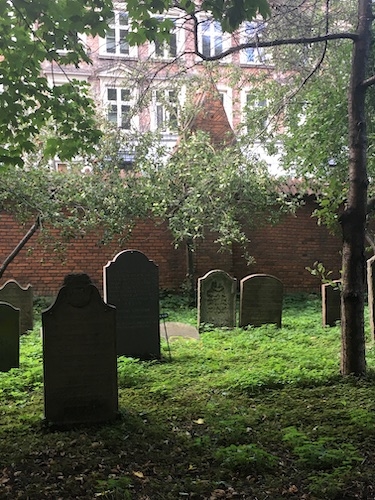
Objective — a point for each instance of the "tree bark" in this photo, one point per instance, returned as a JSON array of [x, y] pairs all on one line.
[[353, 220]]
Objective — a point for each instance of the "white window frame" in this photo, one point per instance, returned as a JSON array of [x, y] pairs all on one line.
[[161, 113], [256, 55], [212, 30], [118, 49], [118, 98], [162, 51], [227, 94], [245, 106]]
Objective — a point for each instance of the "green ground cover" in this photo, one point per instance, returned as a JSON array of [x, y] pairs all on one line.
[[258, 414]]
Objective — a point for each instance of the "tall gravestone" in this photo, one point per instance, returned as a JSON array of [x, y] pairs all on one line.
[[371, 293], [79, 356], [331, 303], [9, 337], [261, 300], [217, 299], [21, 298], [131, 283]]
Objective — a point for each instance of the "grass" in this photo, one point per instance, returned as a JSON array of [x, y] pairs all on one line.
[[258, 414]]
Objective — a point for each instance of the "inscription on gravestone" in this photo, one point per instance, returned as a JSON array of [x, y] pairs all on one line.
[[79, 356], [9, 337], [217, 299], [131, 283], [371, 293], [21, 298], [261, 300], [331, 303]]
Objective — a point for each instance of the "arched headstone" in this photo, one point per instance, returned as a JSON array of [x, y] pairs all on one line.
[[217, 299], [21, 298], [79, 356], [131, 283], [261, 300]]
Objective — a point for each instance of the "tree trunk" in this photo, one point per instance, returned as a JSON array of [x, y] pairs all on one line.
[[353, 220], [190, 271]]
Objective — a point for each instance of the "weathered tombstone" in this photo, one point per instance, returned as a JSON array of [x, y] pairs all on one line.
[[131, 283], [261, 300], [371, 293], [217, 299], [9, 337], [21, 298], [331, 303], [79, 356]]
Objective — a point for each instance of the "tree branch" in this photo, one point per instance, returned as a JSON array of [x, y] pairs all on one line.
[[368, 82], [20, 245], [277, 43]]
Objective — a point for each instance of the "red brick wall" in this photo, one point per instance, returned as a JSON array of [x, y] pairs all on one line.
[[283, 250]]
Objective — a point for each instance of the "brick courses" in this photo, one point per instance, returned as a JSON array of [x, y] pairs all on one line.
[[283, 250]]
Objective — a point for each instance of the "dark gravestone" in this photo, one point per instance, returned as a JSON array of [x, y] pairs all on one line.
[[371, 293], [331, 303], [79, 351], [131, 283], [9, 337], [21, 298], [261, 300], [217, 299]]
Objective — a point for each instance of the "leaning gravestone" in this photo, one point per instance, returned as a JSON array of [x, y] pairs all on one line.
[[79, 355], [9, 337], [331, 303], [217, 299], [371, 293], [131, 283], [261, 300], [21, 298]]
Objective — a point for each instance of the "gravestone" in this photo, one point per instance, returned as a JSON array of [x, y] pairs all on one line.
[[131, 283], [331, 303], [217, 299], [21, 298], [9, 337], [371, 293], [79, 356], [261, 300]]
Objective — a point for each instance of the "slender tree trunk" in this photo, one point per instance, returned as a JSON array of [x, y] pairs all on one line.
[[190, 271], [353, 220], [33, 229]]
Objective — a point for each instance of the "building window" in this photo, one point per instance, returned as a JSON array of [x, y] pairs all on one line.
[[165, 111], [115, 41], [254, 106], [119, 107], [167, 49], [252, 55], [211, 38]]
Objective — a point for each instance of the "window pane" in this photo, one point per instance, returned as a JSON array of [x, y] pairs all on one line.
[[206, 45], [218, 44], [110, 41], [125, 117], [173, 45], [112, 113], [123, 18], [112, 94], [159, 116], [159, 49], [124, 45], [125, 94]]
